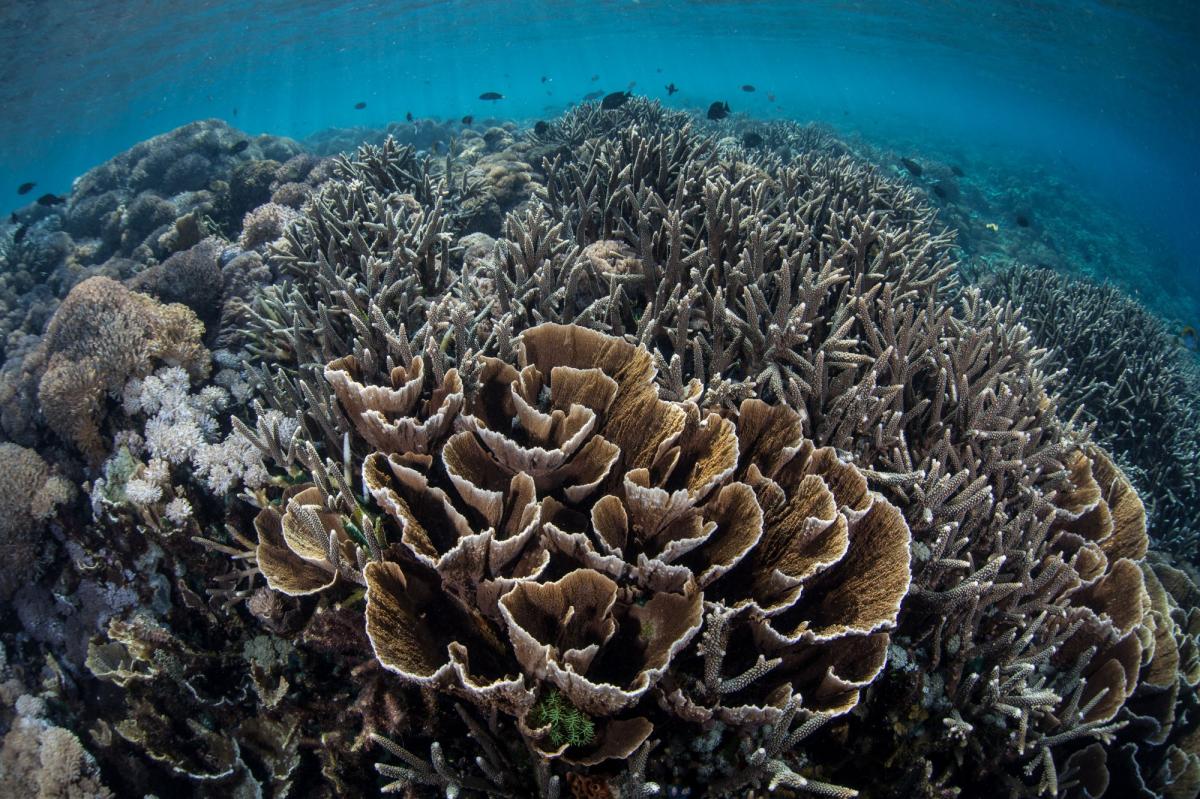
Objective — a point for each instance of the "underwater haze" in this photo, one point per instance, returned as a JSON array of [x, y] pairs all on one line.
[[1104, 96], [611, 400]]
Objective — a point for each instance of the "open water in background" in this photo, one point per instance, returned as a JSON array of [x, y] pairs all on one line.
[[1104, 96]]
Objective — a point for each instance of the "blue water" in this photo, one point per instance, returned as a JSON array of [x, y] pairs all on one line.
[[1102, 96]]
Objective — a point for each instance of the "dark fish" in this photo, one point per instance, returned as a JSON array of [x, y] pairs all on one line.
[[596, 95], [491, 96], [20, 234], [408, 117], [359, 106], [770, 97], [718, 110], [746, 87], [13, 218], [240, 146], [50, 199], [615, 100], [544, 79], [671, 89], [957, 170], [468, 119], [912, 166], [25, 188], [235, 110], [658, 69], [1022, 220], [595, 78], [541, 128], [631, 84], [752, 139]]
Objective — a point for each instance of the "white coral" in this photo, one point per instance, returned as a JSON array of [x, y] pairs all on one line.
[[178, 511], [174, 440], [143, 492]]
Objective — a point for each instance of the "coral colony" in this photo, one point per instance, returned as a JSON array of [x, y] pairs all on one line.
[[626, 455]]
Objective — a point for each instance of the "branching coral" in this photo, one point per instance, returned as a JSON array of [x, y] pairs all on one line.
[[815, 282], [1121, 366]]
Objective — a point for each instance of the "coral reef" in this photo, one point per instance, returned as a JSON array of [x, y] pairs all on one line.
[[1125, 371], [632, 455]]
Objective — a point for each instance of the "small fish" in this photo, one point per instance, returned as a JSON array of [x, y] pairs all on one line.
[[615, 100], [360, 105], [20, 234], [544, 79], [239, 146], [595, 78], [718, 110], [13, 219], [992, 226], [957, 170], [658, 69], [752, 139], [596, 95], [770, 97], [50, 199], [671, 89], [912, 166], [468, 119], [746, 87], [1187, 337], [491, 96], [541, 128], [25, 188], [631, 84], [235, 110], [408, 117]]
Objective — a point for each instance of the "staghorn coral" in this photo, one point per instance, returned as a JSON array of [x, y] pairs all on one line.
[[817, 282], [1130, 377], [577, 534], [812, 280]]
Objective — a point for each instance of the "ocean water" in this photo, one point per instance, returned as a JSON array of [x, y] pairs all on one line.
[[800, 506], [1103, 96]]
